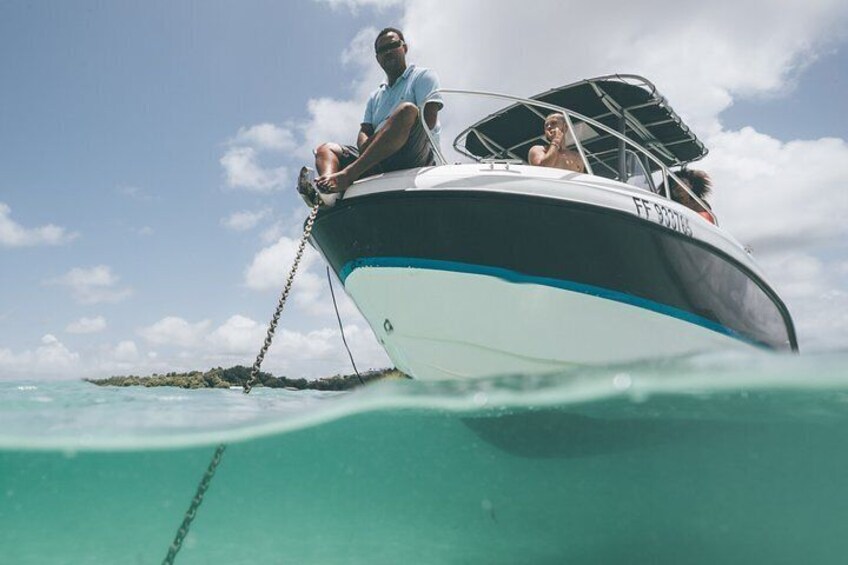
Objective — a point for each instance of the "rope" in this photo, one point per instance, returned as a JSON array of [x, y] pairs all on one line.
[[190, 514], [341, 328]]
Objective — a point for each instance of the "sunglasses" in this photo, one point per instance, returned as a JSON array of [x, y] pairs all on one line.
[[389, 46]]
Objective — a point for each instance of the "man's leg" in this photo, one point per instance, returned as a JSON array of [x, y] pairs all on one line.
[[386, 142], [328, 157]]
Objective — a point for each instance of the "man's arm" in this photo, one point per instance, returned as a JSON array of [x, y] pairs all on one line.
[[366, 132], [431, 114], [541, 157], [425, 84]]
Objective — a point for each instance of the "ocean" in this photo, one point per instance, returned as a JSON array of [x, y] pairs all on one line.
[[713, 459]]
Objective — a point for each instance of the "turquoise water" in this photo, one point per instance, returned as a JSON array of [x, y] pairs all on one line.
[[709, 460]]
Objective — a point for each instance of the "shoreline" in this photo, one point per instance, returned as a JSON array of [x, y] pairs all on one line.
[[237, 376]]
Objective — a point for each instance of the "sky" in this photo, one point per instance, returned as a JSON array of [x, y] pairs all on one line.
[[148, 154]]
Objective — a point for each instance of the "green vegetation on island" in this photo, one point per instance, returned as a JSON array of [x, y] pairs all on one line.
[[237, 376]]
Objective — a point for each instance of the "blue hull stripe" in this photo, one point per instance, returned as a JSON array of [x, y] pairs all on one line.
[[519, 278]]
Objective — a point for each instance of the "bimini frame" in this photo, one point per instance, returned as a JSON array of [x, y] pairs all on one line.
[[569, 115]]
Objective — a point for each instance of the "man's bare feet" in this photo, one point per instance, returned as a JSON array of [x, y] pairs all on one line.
[[335, 182]]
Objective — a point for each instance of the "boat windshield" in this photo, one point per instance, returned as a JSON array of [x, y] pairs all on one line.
[[620, 126]]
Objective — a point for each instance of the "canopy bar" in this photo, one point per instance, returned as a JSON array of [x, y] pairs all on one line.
[[493, 148], [648, 120]]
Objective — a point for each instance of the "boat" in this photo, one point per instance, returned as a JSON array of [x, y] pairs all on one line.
[[494, 266]]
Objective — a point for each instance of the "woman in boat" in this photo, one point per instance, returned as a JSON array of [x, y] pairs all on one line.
[[700, 184]]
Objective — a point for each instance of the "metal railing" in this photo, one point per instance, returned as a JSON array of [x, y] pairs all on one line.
[[568, 115]]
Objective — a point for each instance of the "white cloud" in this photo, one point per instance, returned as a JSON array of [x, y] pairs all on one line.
[[360, 51], [50, 360], [87, 325], [92, 286], [769, 193], [238, 335], [126, 352], [13, 234], [271, 265], [266, 137], [273, 233], [241, 161], [310, 291], [175, 331], [183, 346], [242, 169], [53, 355], [815, 292], [321, 353], [244, 220], [331, 120]]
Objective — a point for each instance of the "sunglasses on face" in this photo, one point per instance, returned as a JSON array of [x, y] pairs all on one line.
[[385, 48]]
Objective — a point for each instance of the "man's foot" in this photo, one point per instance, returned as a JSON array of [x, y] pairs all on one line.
[[306, 188], [335, 182]]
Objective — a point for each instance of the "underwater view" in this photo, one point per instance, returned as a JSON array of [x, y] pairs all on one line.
[[705, 460]]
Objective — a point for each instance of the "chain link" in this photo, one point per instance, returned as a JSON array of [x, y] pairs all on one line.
[[182, 532], [307, 231]]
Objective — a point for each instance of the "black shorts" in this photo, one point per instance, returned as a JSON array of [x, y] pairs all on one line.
[[416, 152]]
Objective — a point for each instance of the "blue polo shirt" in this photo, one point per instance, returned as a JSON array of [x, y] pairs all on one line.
[[414, 85]]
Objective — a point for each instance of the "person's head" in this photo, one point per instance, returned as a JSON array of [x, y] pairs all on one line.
[[390, 49], [552, 123], [697, 181]]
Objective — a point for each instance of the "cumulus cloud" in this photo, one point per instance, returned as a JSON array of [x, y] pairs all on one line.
[[243, 170], [242, 163], [237, 340], [126, 352], [173, 330], [815, 292], [244, 220], [183, 346], [87, 325], [266, 137], [94, 285], [238, 335], [769, 193], [51, 359], [13, 234]]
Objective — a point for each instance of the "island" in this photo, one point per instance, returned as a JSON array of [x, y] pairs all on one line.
[[237, 376]]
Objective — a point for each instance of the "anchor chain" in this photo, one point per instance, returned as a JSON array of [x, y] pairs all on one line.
[[307, 231], [182, 532]]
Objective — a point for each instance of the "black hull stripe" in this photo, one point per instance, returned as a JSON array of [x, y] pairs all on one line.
[[558, 240], [519, 278]]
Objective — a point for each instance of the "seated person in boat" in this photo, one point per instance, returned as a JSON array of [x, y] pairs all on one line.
[[391, 136], [700, 184], [555, 154]]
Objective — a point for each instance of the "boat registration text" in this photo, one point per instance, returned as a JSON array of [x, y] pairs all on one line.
[[662, 215]]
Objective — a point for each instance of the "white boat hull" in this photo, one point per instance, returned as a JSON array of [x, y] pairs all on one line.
[[463, 272], [446, 325]]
